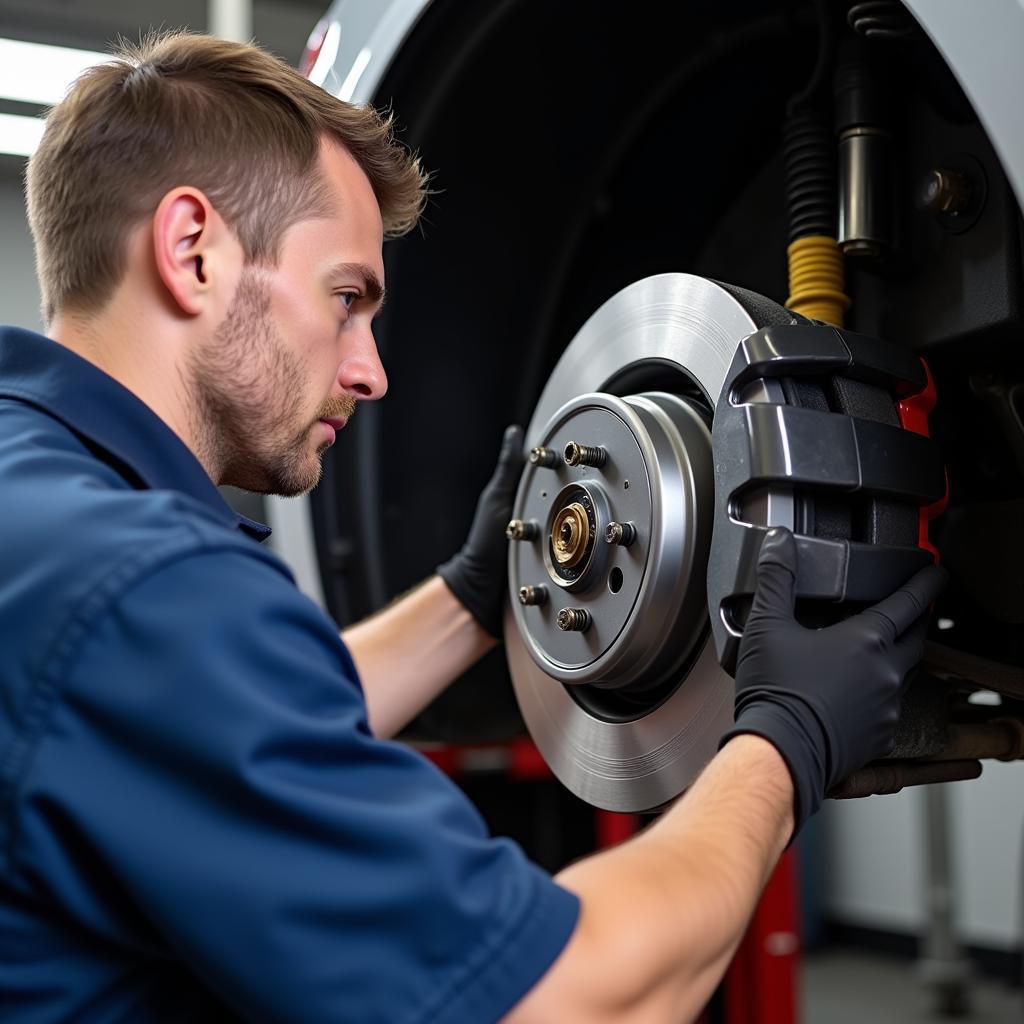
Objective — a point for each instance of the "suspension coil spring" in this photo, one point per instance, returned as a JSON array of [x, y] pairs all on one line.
[[816, 279], [810, 175], [881, 19]]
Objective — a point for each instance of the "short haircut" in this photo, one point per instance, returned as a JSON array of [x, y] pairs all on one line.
[[183, 109]]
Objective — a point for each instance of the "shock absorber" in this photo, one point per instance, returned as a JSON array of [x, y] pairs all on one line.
[[865, 158], [816, 278]]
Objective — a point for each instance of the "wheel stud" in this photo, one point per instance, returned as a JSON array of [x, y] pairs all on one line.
[[519, 529], [574, 620], [622, 534], [536, 595], [585, 455], [542, 457]]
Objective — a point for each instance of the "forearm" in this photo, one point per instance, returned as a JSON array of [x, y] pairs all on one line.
[[411, 651], [662, 914]]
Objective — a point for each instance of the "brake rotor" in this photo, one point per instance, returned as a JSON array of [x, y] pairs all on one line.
[[607, 634]]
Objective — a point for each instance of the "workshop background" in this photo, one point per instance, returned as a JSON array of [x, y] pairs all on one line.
[[863, 864]]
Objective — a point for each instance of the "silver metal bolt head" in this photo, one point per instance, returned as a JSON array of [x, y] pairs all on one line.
[[533, 595], [519, 529], [620, 533]]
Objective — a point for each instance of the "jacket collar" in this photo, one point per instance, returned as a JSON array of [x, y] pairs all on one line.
[[120, 428]]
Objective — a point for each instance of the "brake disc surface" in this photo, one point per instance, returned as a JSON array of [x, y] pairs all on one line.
[[607, 634]]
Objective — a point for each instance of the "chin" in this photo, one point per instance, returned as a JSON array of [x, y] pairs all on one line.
[[305, 481]]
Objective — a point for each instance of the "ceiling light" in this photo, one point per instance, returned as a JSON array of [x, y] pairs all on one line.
[[19, 135], [37, 73]]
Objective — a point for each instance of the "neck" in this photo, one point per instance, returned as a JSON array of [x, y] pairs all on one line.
[[124, 347]]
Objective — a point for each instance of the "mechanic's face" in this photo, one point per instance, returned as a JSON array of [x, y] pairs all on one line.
[[296, 349]]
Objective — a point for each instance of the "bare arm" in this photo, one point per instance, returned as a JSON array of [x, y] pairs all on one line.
[[662, 915], [408, 653], [412, 650]]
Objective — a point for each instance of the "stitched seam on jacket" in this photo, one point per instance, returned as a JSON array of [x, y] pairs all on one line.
[[463, 975]]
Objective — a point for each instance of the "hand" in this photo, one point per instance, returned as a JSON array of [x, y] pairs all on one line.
[[827, 699], [478, 574]]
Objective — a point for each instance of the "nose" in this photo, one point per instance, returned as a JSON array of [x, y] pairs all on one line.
[[361, 373]]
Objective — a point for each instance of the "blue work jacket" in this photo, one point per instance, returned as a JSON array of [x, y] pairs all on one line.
[[195, 821]]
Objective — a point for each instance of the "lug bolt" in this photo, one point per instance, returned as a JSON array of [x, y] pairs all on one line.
[[542, 457], [519, 529], [622, 534], [537, 595], [575, 620], [585, 455], [944, 191]]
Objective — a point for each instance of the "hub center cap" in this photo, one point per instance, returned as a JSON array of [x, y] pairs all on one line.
[[570, 535]]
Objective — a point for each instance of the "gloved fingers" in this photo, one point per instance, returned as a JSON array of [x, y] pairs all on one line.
[[775, 596], [909, 649], [510, 459], [898, 612]]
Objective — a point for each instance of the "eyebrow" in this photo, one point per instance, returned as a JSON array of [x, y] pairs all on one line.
[[371, 283]]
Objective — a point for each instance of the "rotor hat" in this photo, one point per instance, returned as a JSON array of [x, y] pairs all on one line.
[[644, 600]]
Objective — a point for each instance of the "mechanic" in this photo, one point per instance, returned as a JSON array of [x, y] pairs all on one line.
[[203, 816]]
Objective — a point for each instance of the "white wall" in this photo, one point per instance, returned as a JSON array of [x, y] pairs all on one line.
[[873, 861], [875, 852], [989, 852], [19, 294]]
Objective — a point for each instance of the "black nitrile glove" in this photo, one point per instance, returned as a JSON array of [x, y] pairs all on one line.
[[827, 699], [478, 574]]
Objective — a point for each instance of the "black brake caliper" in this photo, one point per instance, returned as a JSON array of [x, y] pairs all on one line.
[[822, 431]]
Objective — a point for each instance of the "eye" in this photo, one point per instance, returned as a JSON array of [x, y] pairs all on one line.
[[348, 299]]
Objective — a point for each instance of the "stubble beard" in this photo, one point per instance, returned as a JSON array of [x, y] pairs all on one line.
[[247, 393]]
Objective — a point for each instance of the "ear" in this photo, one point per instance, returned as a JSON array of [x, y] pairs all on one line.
[[186, 233]]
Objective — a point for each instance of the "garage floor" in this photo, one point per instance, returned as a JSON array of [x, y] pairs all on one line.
[[859, 988]]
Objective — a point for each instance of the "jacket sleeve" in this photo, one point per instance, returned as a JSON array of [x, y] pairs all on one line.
[[210, 752]]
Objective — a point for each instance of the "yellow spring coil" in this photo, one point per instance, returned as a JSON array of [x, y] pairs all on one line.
[[816, 279]]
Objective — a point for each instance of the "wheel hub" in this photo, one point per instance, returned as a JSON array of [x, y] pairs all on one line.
[[640, 590]]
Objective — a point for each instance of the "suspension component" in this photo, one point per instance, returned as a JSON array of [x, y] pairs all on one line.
[[585, 455], [865, 158], [816, 279], [574, 620], [809, 149], [882, 19]]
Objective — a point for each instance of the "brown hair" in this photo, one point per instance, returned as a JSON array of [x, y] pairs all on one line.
[[183, 109]]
